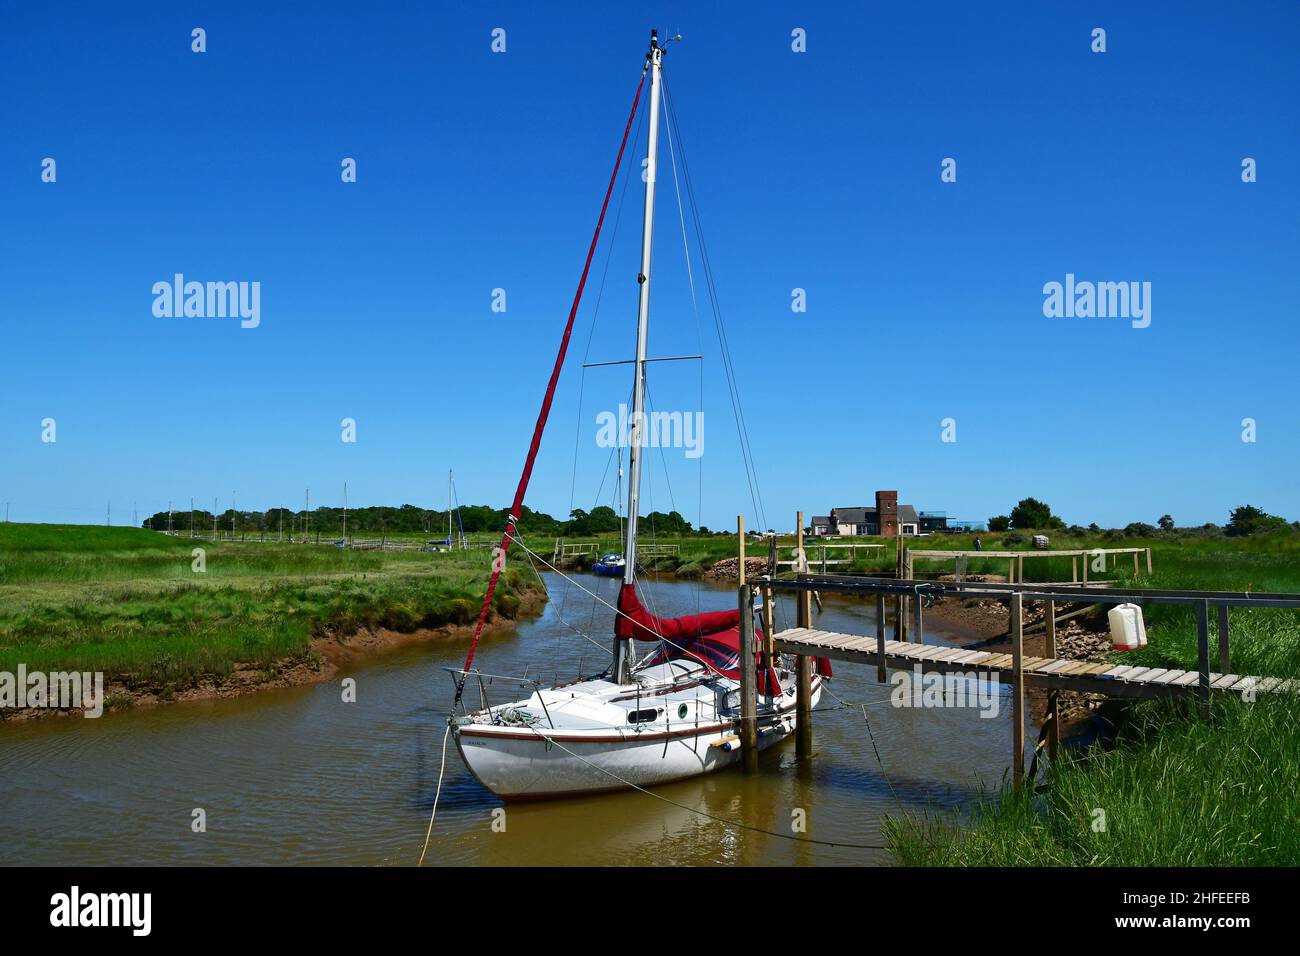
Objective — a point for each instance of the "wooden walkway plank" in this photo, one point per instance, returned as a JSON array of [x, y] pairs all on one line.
[[934, 658], [1137, 675]]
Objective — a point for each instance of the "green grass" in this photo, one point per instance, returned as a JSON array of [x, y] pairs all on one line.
[[129, 602], [1177, 789]]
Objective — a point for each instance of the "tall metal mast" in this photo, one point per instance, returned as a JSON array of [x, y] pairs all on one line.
[[622, 648]]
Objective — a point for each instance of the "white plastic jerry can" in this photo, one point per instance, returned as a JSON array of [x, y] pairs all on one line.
[[1127, 632]]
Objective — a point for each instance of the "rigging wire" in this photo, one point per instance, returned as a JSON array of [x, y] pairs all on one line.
[[544, 413], [595, 312], [728, 365], [695, 313]]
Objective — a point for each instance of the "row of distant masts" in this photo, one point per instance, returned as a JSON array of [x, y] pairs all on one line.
[[234, 515], [455, 536]]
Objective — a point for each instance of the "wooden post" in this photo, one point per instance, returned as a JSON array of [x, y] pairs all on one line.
[[1084, 556], [1148, 560], [905, 609], [1225, 659], [748, 683], [1074, 569], [803, 609], [899, 631], [1020, 569], [1053, 704], [920, 624], [740, 549], [1203, 654], [1017, 694], [880, 636], [769, 623], [803, 666], [1136, 572], [1011, 571]]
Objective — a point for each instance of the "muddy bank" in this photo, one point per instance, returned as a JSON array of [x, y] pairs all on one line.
[[326, 656]]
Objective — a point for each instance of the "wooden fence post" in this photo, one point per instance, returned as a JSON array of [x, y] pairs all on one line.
[[1203, 654], [1053, 704], [1017, 693], [1225, 659]]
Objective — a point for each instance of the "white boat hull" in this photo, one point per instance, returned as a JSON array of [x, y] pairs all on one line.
[[518, 763]]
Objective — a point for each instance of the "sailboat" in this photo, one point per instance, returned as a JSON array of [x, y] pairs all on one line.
[[675, 712]]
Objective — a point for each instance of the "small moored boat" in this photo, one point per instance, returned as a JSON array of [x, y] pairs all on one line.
[[610, 566]]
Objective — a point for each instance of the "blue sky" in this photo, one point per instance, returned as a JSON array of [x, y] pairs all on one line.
[[816, 170]]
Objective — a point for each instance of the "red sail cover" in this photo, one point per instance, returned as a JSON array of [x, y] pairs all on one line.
[[712, 638]]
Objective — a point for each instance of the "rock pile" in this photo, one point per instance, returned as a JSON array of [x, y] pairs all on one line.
[[727, 569]]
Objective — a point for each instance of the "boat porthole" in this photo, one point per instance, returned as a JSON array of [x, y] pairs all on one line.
[[681, 712]]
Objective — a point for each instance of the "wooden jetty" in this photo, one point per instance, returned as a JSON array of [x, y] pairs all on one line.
[[1016, 559], [1050, 673]]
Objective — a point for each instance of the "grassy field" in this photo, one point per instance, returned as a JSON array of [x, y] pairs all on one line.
[[1172, 788], [130, 603]]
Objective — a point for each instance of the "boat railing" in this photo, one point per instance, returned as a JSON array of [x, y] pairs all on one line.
[[483, 681]]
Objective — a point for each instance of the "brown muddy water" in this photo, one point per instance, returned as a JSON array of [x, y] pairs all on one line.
[[299, 777]]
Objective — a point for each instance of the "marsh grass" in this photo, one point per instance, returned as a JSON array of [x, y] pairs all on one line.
[[127, 601], [1176, 789]]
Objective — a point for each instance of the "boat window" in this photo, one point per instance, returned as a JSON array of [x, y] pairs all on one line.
[[642, 716], [682, 711]]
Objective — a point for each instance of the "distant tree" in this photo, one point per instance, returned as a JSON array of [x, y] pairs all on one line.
[[656, 522], [1166, 523], [999, 523], [1094, 528], [1031, 513], [1251, 520], [1139, 529]]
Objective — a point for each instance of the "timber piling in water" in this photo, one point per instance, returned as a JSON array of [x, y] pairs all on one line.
[[803, 666], [748, 674]]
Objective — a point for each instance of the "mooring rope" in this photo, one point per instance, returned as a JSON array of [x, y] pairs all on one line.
[[436, 794]]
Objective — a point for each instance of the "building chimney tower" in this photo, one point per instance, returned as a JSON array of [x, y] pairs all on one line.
[[887, 513]]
